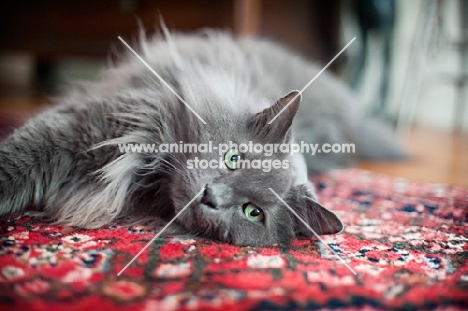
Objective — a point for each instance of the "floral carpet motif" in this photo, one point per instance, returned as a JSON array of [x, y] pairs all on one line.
[[408, 243]]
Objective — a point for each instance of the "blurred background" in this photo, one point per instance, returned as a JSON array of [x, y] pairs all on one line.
[[408, 63]]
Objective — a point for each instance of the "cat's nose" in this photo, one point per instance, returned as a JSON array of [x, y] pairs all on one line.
[[209, 198]]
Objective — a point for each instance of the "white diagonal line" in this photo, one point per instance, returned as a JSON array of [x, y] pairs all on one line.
[[160, 232], [162, 80], [315, 233], [310, 82]]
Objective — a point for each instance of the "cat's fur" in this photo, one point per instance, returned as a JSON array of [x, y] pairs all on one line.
[[66, 160]]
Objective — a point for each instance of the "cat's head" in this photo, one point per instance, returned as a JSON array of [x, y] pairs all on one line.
[[235, 204]]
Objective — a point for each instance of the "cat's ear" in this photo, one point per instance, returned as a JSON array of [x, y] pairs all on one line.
[[274, 123], [318, 217]]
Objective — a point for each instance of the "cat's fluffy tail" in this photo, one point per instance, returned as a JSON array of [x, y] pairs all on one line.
[[375, 142]]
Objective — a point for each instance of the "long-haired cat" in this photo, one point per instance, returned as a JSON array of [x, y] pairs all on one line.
[[66, 160]]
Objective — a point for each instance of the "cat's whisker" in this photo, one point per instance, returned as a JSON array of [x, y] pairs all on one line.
[[150, 169], [179, 161], [181, 152], [176, 158], [171, 165]]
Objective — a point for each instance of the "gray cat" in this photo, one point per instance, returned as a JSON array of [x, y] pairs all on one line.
[[67, 162]]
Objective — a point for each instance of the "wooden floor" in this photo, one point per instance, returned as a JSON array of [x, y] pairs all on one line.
[[437, 156]]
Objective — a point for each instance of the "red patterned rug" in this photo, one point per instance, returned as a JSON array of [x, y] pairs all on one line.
[[408, 243]]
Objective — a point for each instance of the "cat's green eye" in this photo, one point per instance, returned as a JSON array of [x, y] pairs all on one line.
[[253, 213], [232, 158]]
